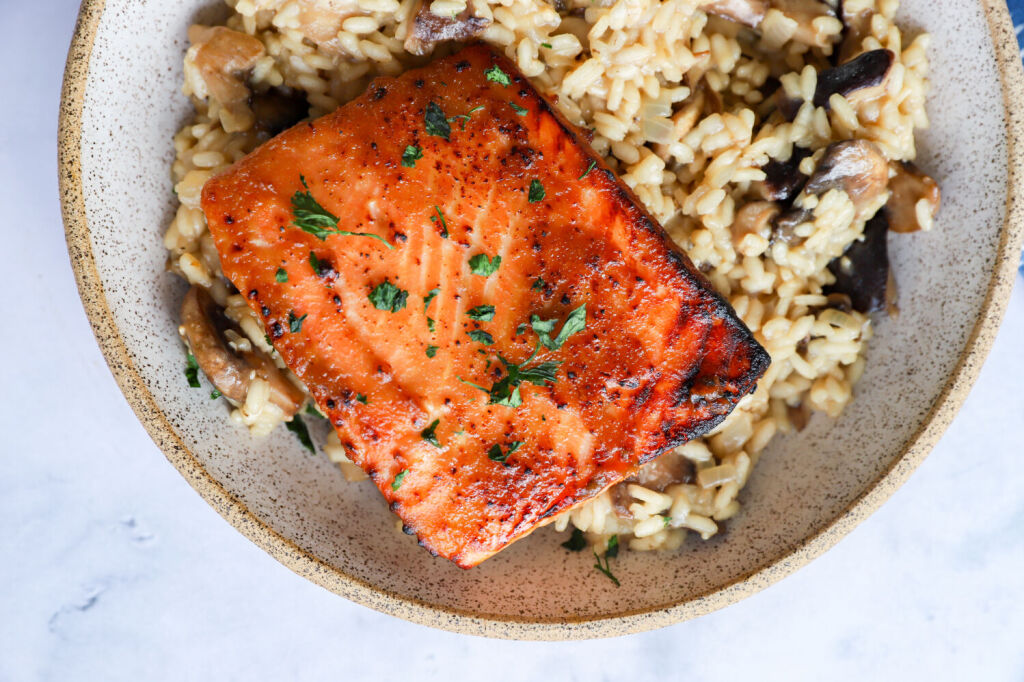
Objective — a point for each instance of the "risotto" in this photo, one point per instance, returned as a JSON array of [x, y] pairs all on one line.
[[708, 110]]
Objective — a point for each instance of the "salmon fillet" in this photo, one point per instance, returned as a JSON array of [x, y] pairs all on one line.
[[493, 325]]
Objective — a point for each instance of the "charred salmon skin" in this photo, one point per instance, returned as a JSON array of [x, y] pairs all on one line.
[[495, 327]]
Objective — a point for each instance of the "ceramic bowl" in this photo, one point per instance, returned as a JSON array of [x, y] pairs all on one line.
[[121, 105]]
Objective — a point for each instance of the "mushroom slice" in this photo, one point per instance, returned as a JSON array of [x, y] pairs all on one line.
[[278, 109], [223, 59], [204, 325], [754, 218], [859, 80], [429, 29], [862, 272], [856, 26], [915, 199], [746, 12], [855, 166], [783, 179], [804, 12]]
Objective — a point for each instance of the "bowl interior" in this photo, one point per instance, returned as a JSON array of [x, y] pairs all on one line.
[[132, 107]]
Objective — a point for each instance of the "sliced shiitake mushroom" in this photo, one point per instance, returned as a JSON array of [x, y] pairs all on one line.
[[746, 12], [754, 218], [857, 167], [804, 12], [278, 109], [429, 29], [223, 59], [860, 79], [862, 272], [910, 187], [204, 325], [783, 179]]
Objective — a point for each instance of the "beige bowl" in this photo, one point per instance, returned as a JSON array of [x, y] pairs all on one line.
[[122, 104]]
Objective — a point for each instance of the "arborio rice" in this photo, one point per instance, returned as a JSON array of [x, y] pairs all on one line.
[[676, 105]]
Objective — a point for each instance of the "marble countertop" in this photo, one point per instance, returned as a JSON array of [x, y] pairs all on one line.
[[114, 569]]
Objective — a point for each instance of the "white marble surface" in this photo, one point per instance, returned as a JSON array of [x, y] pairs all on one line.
[[114, 569]]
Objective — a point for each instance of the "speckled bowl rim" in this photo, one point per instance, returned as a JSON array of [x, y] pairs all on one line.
[[309, 566]]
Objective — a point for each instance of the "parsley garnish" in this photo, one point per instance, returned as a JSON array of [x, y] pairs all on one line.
[[483, 313], [311, 217], [397, 483], [215, 393], [576, 542], [298, 427], [361, 398], [295, 323], [411, 155], [431, 351], [386, 296], [610, 553], [496, 75], [481, 265], [281, 275], [589, 168], [521, 328], [192, 370], [444, 225], [522, 111], [430, 323], [495, 454], [430, 297], [536, 191], [465, 117], [575, 322], [428, 434], [320, 268], [436, 122], [480, 336], [547, 45], [538, 284]]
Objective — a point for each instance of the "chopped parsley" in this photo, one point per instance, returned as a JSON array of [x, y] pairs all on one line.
[[593, 163], [667, 521], [444, 224], [522, 111], [610, 553], [538, 284], [536, 191], [430, 297], [295, 323], [313, 412], [320, 268], [386, 296], [547, 45], [361, 398], [431, 351], [483, 313], [495, 453], [436, 122], [215, 393], [281, 275], [576, 542], [575, 322], [309, 216], [411, 155], [298, 427], [496, 75], [192, 370], [428, 434], [481, 265], [521, 329], [431, 324], [480, 336], [465, 117], [397, 483]]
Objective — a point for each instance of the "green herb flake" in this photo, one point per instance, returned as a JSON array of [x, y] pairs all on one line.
[[522, 111], [431, 351], [281, 275], [538, 284], [536, 191], [465, 117], [574, 323], [577, 542], [428, 434], [495, 453], [444, 223], [593, 163], [361, 398], [295, 323], [313, 412], [521, 329], [214, 394], [411, 155], [481, 265], [431, 325], [613, 547], [192, 370], [298, 427], [496, 75], [430, 297], [436, 122], [547, 45], [480, 336], [667, 520], [606, 569], [312, 218], [386, 296], [397, 483], [320, 268], [483, 313]]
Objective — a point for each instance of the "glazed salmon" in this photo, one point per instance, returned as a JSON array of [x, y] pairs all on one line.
[[493, 325]]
